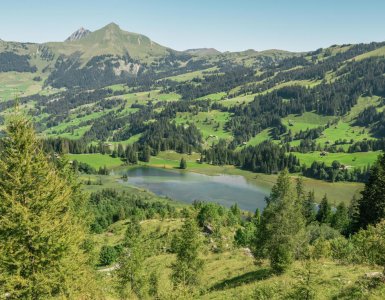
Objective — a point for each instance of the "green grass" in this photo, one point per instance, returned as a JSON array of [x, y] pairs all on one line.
[[206, 123], [117, 87], [63, 128], [76, 134], [343, 130], [191, 75], [213, 97], [358, 159], [96, 160], [238, 100], [171, 160], [307, 120], [259, 138], [15, 84], [377, 52], [232, 274], [144, 97]]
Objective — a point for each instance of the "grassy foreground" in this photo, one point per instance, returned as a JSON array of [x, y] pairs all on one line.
[[233, 273]]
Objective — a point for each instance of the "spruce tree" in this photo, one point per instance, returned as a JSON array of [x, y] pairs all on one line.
[[324, 213], [281, 189], [131, 279], [183, 164], [188, 265], [340, 219], [41, 222], [371, 206], [281, 223], [308, 208]]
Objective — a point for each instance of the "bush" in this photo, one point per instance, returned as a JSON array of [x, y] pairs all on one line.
[[108, 255], [280, 259]]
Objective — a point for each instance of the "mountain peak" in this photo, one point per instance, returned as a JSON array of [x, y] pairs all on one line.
[[78, 34], [112, 26]]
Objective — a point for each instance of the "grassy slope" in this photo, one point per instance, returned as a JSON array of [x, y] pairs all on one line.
[[359, 159], [233, 274], [96, 160], [112, 40], [14, 84], [207, 122]]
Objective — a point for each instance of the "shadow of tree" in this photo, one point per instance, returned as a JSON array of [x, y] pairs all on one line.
[[249, 277]]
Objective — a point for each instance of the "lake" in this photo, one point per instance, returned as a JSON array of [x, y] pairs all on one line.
[[187, 187]]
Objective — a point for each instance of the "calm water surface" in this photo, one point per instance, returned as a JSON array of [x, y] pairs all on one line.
[[187, 187]]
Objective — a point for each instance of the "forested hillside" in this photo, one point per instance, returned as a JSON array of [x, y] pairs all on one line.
[[76, 115], [58, 242], [313, 113]]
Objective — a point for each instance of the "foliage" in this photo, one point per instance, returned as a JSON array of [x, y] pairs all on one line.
[[371, 206], [183, 164], [42, 225], [281, 223], [188, 266]]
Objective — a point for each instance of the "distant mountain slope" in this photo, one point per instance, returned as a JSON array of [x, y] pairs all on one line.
[[203, 51], [111, 40], [78, 34]]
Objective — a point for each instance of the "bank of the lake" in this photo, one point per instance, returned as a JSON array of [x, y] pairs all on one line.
[[188, 187], [336, 192]]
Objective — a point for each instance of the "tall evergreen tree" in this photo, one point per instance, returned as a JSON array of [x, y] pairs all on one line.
[[324, 213], [281, 222], [340, 219], [182, 164], [300, 189], [41, 222], [371, 206], [130, 273], [308, 208], [188, 265], [281, 189]]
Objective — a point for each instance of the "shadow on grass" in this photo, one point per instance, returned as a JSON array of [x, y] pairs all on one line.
[[246, 278]]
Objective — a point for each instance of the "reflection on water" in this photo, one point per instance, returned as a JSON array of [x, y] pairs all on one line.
[[187, 187]]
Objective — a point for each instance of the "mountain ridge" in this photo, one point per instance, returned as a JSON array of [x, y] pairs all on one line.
[[78, 34]]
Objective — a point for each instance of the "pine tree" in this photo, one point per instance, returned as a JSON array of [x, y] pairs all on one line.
[[324, 213], [371, 206], [308, 208], [41, 222], [300, 189], [188, 265], [340, 219], [130, 273], [120, 151], [182, 164], [281, 223], [281, 189]]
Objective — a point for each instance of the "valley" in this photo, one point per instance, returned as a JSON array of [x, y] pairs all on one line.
[[130, 170]]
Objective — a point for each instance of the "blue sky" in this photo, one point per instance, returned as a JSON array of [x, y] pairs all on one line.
[[294, 25]]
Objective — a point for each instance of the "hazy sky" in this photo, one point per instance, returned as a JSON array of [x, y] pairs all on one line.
[[233, 25]]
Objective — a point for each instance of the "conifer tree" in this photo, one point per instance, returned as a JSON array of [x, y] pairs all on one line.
[[324, 213], [183, 164], [41, 222], [308, 208], [281, 223], [371, 206], [281, 189], [188, 265], [340, 219], [130, 273], [300, 189]]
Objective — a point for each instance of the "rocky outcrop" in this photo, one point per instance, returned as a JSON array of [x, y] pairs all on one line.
[[78, 34]]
